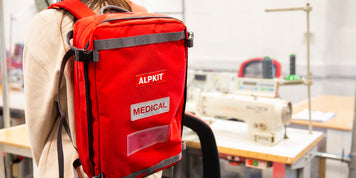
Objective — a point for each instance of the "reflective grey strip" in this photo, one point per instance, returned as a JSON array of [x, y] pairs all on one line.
[[160, 165], [138, 40]]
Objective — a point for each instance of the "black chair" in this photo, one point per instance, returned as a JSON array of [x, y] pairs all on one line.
[[211, 162]]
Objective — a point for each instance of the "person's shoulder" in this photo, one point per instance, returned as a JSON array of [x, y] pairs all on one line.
[[43, 25], [45, 33], [51, 21], [47, 16]]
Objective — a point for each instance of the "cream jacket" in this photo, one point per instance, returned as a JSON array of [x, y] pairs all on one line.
[[45, 47]]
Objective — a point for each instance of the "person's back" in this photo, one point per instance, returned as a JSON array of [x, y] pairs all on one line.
[[45, 47]]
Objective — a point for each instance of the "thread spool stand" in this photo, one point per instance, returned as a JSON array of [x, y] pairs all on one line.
[[308, 81]]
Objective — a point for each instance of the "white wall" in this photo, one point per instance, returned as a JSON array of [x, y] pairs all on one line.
[[22, 12], [228, 32]]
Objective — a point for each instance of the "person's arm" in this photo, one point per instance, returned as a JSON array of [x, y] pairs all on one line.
[[43, 53], [39, 106]]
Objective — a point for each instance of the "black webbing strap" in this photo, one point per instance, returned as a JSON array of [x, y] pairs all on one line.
[[211, 163], [62, 115], [67, 129]]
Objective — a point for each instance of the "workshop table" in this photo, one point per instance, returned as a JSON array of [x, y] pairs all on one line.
[[337, 129], [287, 156], [13, 140], [342, 106]]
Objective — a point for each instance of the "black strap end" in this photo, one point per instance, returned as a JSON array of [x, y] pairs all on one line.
[[77, 163], [189, 43], [189, 40]]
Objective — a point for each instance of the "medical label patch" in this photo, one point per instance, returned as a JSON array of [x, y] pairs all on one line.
[[150, 78], [149, 108]]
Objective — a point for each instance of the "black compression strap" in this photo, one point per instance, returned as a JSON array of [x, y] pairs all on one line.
[[89, 116]]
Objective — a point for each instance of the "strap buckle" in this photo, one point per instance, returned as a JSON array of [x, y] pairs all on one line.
[[82, 55], [189, 40]]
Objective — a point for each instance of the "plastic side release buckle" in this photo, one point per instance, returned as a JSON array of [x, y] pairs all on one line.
[[83, 55], [189, 40]]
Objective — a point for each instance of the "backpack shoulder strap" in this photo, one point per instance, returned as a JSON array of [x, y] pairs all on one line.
[[75, 7]]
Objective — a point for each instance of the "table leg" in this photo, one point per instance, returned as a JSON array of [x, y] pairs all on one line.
[[305, 172], [8, 164], [2, 166], [299, 169], [279, 170], [322, 162]]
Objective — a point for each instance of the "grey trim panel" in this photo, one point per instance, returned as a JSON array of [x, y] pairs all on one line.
[[160, 165], [138, 40]]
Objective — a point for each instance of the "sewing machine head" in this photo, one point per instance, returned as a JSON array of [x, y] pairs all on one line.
[[266, 117], [253, 100]]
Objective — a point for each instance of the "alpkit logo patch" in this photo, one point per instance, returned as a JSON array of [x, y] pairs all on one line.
[[149, 108], [151, 78]]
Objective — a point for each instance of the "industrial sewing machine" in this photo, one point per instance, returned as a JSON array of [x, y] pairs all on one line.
[[254, 101]]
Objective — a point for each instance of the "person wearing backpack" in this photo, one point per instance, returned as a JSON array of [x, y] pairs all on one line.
[[44, 49]]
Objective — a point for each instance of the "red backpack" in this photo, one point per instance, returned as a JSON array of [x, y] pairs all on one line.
[[129, 89]]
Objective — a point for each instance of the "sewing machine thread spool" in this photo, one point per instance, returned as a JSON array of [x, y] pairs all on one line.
[[292, 69], [267, 68], [292, 64]]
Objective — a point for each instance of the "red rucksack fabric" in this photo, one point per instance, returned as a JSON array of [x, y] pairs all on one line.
[[129, 89]]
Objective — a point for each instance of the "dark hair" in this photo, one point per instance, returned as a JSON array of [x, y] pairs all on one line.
[[100, 3]]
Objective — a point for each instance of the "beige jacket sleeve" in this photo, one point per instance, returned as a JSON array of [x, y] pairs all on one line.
[[43, 53]]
